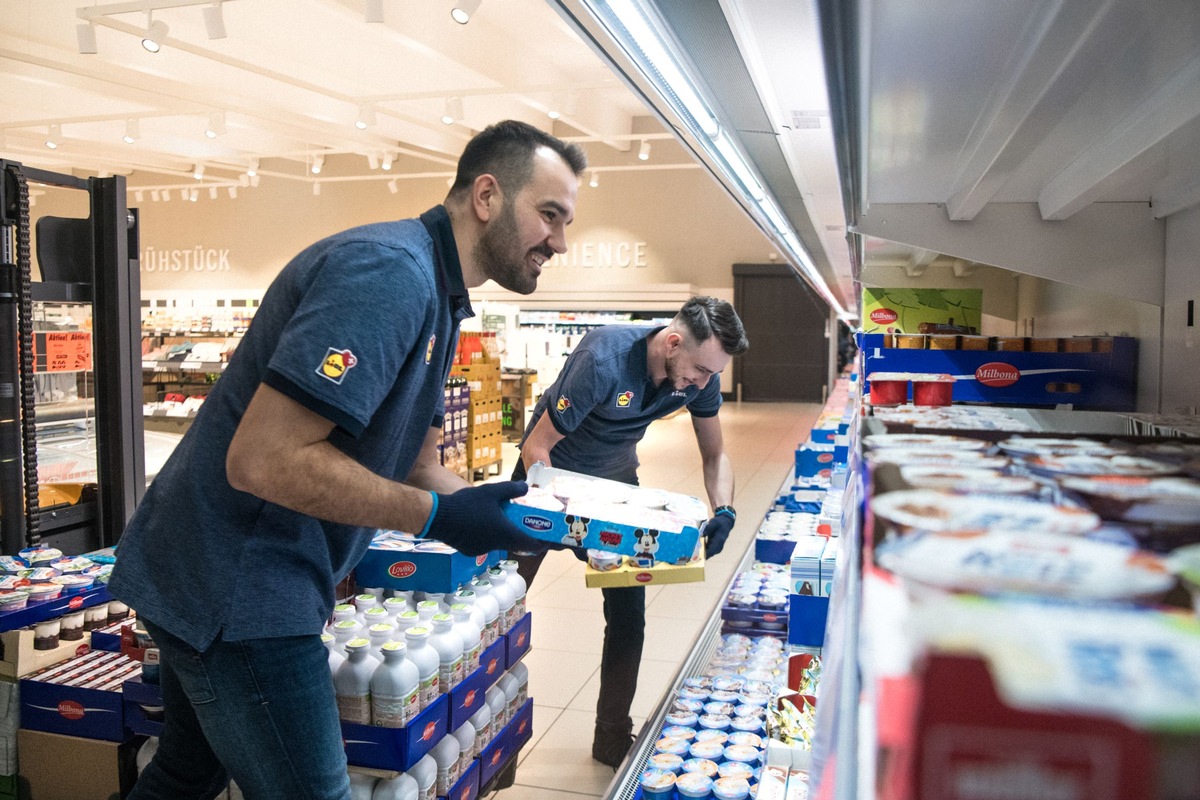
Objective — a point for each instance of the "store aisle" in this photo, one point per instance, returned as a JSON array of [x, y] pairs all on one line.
[[568, 623]]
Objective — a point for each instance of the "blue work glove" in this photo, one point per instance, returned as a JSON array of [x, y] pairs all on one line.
[[472, 520], [716, 531]]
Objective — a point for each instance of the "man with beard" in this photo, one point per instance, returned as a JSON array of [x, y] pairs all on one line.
[[323, 429], [618, 380]]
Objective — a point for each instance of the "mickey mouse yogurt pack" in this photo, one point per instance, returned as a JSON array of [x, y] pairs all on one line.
[[571, 508]]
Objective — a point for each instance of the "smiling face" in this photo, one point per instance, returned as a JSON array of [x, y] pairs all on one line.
[[530, 226], [689, 363]]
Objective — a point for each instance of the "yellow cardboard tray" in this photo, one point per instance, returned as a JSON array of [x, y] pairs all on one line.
[[641, 576]]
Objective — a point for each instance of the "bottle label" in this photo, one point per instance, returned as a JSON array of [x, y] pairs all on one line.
[[429, 689], [471, 661], [395, 712], [450, 674], [447, 777], [355, 708], [519, 605], [428, 793], [493, 630]]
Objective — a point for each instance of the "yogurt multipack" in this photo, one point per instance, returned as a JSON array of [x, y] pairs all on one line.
[[570, 508]]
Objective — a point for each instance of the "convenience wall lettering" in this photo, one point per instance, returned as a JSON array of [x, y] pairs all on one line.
[[602, 254], [196, 259]]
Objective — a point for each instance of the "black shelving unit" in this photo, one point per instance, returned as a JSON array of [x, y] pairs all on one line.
[[94, 261]]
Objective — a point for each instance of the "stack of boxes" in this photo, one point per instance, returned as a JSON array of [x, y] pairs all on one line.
[[484, 418], [452, 450]]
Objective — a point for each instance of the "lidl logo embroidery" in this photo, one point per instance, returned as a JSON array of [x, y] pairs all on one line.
[[336, 364], [429, 348], [623, 399], [563, 403]]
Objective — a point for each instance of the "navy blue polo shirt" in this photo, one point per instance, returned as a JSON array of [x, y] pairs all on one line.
[[361, 328], [603, 400]]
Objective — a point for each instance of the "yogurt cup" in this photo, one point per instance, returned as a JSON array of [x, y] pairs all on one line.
[[747, 724], [678, 747], [731, 789], [74, 584], [693, 785], [727, 684], [716, 722], [43, 592], [13, 600], [71, 564], [658, 783], [710, 750], [40, 574], [40, 555], [715, 707], [678, 732], [758, 712], [746, 738], [710, 735], [687, 704], [744, 753], [703, 766], [724, 696], [735, 769], [684, 719], [668, 762], [603, 560]]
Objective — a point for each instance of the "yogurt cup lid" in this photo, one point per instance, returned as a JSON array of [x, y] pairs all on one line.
[[752, 724], [719, 721], [1033, 446], [746, 738], [695, 784], [13, 582], [730, 788], [35, 556], [686, 719], [704, 766], [41, 574], [742, 752], [658, 779], [666, 761], [711, 735], [13, 597], [678, 746], [1026, 561], [678, 732], [965, 478], [1092, 464], [11, 565], [925, 441], [928, 510], [689, 704], [73, 580], [727, 684], [735, 769], [706, 749]]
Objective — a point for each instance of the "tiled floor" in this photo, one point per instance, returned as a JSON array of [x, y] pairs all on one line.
[[568, 623]]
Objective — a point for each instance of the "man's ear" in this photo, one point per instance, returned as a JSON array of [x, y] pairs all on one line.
[[486, 197]]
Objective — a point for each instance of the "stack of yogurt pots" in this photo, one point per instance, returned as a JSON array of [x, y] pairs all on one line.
[[41, 574], [714, 737]]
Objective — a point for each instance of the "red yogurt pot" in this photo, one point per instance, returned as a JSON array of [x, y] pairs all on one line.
[[888, 388], [932, 390]]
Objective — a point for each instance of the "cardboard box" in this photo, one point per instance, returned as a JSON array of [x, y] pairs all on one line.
[[83, 707], [628, 575], [56, 766], [65, 603], [922, 311], [414, 570], [397, 748], [517, 641], [143, 707], [807, 616], [21, 658], [564, 527], [467, 786], [1100, 381]]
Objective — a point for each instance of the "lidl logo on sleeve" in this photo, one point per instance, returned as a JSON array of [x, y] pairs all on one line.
[[563, 403], [336, 364], [429, 348], [623, 399]]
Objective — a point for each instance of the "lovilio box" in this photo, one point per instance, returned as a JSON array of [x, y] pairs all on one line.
[[396, 561]]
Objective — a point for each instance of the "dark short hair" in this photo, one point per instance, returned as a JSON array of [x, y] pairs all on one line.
[[506, 150], [704, 317]]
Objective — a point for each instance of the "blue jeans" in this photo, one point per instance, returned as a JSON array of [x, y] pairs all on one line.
[[261, 712]]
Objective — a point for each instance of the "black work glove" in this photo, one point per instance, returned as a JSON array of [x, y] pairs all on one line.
[[716, 531], [472, 520]]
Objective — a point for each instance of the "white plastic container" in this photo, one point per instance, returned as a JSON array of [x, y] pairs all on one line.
[[517, 584], [481, 721], [375, 616], [446, 753], [424, 772], [362, 786], [440, 599], [504, 596], [340, 612], [345, 630], [352, 683], [405, 620], [450, 647], [497, 702], [396, 605], [335, 658], [521, 673], [395, 688], [465, 734], [379, 634], [402, 787], [427, 660], [467, 597], [491, 610], [471, 634], [508, 684], [426, 609], [364, 601]]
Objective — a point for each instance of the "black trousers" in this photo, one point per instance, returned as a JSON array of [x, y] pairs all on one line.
[[624, 635]]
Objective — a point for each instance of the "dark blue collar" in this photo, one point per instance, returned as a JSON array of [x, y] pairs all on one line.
[[449, 269]]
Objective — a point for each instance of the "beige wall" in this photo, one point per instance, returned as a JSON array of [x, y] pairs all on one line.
[[650, 227]]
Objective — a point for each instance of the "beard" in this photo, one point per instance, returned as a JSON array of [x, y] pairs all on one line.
[[498, 253]]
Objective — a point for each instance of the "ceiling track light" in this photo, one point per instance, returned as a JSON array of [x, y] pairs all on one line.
[[318, 163], [454, 110], [366, 117], [595, 179], [393, 186], [463, 11], [233, 193], [216, 125], [373, 11], [252, 167], [198, 171], [644, 150], [139, 196], [195, 195], [53, 135], [166, 195], [85, 36], [154, 195], [132, 131], [372, 161], [156, 34], [214, 21], [387, 161], [316, 188], [212, 193]]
